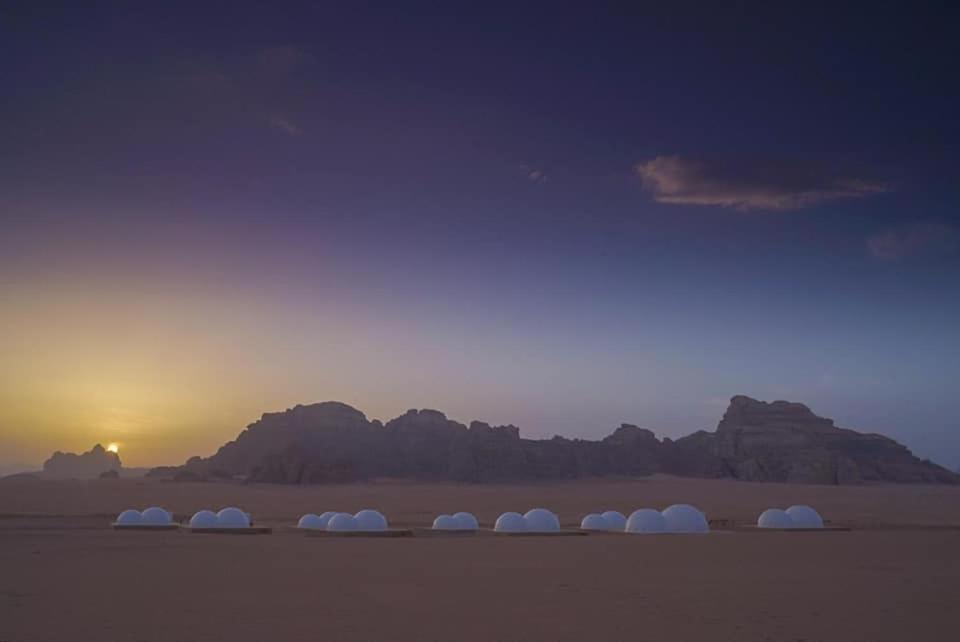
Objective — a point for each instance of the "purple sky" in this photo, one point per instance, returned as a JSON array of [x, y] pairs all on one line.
[[558, 220]]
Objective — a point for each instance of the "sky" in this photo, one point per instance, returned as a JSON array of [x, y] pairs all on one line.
[[558, 218]]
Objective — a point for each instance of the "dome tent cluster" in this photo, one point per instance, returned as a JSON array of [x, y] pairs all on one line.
[[461, 521], [798, 516], [610, 520], [678, 518], [316, 522], [366, 520], [229, 517], [153, 516], [535, 520]]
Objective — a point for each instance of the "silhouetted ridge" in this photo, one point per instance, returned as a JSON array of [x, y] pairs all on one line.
[[88, 465], [755, 440]]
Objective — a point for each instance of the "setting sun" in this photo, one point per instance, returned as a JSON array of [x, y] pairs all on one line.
[[113, 447]]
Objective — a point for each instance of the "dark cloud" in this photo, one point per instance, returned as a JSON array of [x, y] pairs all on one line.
[[913, 240], [747, 185]]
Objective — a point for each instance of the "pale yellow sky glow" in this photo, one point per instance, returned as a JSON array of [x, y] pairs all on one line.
[[169, 372], [167, 376]]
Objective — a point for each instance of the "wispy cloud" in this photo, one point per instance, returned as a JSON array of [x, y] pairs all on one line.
[[913, 240], [747, 186], [534, 174], [286, 126]]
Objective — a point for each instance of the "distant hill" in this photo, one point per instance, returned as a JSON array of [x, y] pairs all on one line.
[[16, 469], [754, 441], [88, 465]]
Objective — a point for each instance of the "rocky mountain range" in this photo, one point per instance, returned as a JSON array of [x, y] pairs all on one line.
[[754, 441], [88, 465]]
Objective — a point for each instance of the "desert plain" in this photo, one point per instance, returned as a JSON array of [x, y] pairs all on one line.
[[65, 575]]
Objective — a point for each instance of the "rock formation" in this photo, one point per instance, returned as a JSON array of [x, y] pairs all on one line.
[[88, 465], [755, 441], [783, 441]]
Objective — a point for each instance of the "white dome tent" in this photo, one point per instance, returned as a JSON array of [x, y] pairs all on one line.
[[615, 519], [775, 518], [446, 523], [684, 518], [805, 517], [204, 519], [155, 516], [228, 521], [370, 520], [463, 522], [466, 521], [343, 522], [233, 518], [594, 522], [129, 517], [312, 521], [541, 520], [511, 523], [646, 520]]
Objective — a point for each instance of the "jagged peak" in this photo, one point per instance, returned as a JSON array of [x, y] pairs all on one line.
[[327, 406], [331, 409], [630, 433], [483, 428], [747, 413], [426, 413]]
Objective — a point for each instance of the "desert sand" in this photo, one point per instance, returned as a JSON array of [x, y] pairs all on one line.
[[64, 575]]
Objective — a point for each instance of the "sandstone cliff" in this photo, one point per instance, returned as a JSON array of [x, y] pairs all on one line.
[[785, 441]]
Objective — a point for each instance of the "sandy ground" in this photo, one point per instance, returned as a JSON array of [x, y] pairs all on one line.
[[65, 576]]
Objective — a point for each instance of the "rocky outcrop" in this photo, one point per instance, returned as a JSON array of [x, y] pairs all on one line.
[[754, 441], [88, 465], [784, 441]]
